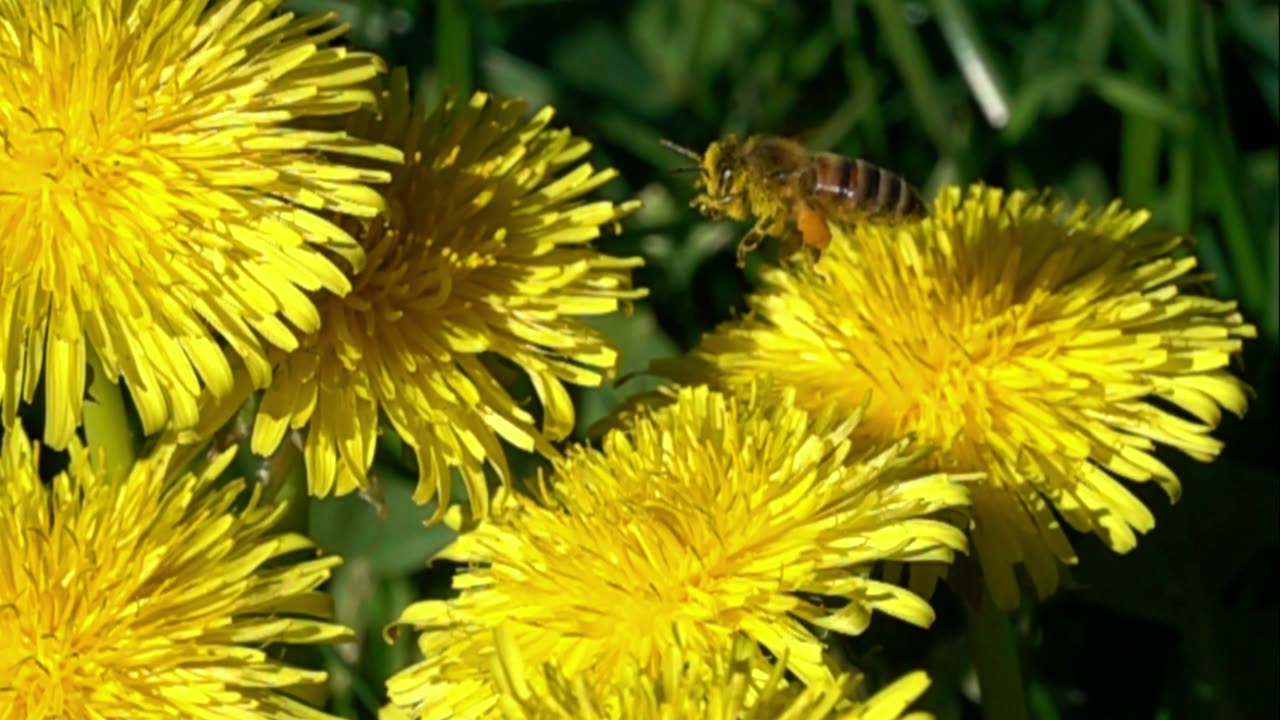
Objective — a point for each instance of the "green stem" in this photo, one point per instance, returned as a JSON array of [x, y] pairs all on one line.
[[284, 480], [106, 422], [996, 657]]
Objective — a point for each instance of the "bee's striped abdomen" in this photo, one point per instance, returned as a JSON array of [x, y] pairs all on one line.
[[853, 186]]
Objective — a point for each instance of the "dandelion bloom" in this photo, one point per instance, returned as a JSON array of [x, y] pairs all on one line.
[[1050, 347], [162, 594], [484, 258], [704, 518], [724, 687], [156, 206]]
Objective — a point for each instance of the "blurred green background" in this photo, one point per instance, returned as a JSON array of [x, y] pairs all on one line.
[[1170, 105]]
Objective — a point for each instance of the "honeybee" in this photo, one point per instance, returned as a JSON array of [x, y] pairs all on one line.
[[792, 192]]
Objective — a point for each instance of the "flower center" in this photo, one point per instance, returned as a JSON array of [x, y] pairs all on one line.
[[953, 370]]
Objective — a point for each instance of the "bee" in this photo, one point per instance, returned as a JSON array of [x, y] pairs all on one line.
[[792, 192]]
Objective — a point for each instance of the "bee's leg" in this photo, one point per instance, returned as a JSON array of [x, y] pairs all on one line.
[[813, 253], [748, 244], [792, 243]]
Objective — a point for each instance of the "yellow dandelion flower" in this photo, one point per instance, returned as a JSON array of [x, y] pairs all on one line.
[[1051, 348], [484, 256], [727, 686], [155, 203], [704, 518], [159, 595]]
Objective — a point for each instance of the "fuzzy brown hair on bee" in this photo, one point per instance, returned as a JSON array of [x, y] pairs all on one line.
[[791, 193]]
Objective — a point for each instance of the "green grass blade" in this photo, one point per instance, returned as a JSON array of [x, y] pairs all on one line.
[[974, 60], [1131, 97], [453, 46], [1143, 32], [908, 55]]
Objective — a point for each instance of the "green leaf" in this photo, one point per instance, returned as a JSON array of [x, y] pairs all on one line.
[[1226, 516], [512, 76], [1187, 573], [1131, 97], [399, 543], [1027, 106], [578, 58], [639, 339]]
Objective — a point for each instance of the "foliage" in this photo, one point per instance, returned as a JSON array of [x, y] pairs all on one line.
[[1168, 104]]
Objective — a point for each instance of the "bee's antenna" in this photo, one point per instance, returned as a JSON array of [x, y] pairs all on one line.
[[681, 150], [682, 170]]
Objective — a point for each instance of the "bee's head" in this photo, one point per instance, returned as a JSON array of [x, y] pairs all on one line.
[[720, 181], [719, 168]]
